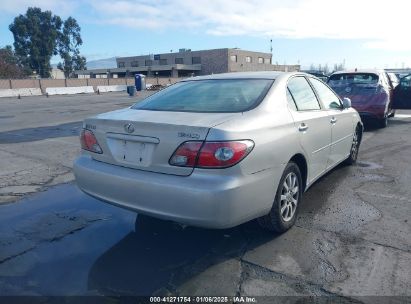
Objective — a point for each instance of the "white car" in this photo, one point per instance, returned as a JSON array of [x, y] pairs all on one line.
[[217, 151]]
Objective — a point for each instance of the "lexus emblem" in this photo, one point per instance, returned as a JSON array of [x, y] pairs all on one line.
[[129, 128]]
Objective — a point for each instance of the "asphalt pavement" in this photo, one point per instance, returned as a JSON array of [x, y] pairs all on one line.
[[351, 240]]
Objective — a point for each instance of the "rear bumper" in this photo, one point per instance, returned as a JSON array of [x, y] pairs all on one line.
[[372, 115], [201, 199]]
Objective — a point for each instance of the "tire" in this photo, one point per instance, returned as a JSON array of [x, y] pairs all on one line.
[[383, 123], [355, 146], [392, 114], [288, 202]]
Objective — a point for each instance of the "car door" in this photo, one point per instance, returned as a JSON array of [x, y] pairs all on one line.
[[390, 88], [312, 123], [341, 122], [402, 94]]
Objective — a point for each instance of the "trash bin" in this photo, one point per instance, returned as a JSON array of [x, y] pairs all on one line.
[[140, 82], [131, 90]]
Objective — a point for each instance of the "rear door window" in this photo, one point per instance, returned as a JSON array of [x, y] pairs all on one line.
[[327, 96], [303, 94]]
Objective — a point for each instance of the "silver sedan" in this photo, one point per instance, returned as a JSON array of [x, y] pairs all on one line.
[[217, 151]]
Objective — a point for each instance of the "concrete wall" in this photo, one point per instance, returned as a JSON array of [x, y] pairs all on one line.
[[20, 92], [43, 84], [69, 90]]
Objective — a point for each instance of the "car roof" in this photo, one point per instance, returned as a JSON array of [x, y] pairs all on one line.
[[242, 75], [369, 71]]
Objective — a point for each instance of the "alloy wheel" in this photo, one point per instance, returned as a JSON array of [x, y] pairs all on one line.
[[354, 146], [289, 197]]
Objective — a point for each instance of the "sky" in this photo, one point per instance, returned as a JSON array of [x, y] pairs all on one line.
[[361, 33]]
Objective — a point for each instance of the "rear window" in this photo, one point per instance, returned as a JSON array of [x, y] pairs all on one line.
[[348, 84], [222, 95], [353, 78]]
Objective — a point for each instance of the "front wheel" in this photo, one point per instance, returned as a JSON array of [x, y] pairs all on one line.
[[286, 202], [355, 146]]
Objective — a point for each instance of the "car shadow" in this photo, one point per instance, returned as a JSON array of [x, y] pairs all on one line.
[[160, 255]]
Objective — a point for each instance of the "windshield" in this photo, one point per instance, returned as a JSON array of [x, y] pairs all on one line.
[[222, 95]]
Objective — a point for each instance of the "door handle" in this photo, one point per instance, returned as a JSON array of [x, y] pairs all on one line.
[[333, 120], [303, 127]]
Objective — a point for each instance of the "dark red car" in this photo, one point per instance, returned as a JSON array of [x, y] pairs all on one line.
[[370, 91]]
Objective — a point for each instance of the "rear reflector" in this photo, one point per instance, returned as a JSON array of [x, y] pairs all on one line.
[[186, 154], [89, 142], [211, 154]]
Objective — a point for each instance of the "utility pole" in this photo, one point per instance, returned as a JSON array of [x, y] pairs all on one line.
[[271, 50]]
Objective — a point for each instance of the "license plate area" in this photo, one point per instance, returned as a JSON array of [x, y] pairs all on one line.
[[130, 152]]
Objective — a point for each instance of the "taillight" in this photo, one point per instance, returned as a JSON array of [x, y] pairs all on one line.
[[89, 142], [211, 154]]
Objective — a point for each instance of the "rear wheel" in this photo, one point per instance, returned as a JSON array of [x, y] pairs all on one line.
[[383, 123], [286, 202]]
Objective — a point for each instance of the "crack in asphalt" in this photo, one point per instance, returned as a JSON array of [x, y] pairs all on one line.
[[243, 251], [290, 279], [48, 240], [44, 185], [16, 255], [344, 236]]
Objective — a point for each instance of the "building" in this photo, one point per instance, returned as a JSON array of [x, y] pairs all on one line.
[[57, 74], [185, 63]]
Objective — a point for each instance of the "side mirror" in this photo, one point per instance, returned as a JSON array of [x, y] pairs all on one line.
[[346, 103]]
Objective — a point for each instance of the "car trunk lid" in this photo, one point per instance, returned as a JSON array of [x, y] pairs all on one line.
[[145, 140]]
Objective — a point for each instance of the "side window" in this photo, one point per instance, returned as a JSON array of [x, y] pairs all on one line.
[[406, 81], [328, 97], [303, 95], [290, 100]]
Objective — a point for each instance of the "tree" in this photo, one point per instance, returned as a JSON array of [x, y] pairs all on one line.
[[69, 42], [39, 35], [35, 38], [10, 65]]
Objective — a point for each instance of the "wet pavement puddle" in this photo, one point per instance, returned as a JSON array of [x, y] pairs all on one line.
[[64, 242]]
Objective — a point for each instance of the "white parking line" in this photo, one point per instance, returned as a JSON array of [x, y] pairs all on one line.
[[402, 116]]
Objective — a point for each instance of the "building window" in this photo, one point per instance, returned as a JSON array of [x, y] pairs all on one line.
[[163, 61], [121, 64], [134, 63], [149, 62], [260, 60], [196, 60], [248, 59], [233, 58], [179, 61], [267, 60]]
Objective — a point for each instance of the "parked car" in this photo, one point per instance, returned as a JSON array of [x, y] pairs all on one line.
[[370, 92], [219, 150], [402, 94], [318, 74]]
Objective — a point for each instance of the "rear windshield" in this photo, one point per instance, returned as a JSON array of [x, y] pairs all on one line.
[[353, 78], [222, 95]]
